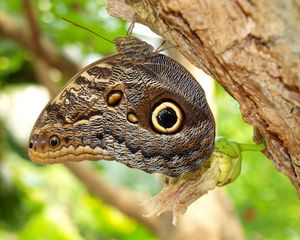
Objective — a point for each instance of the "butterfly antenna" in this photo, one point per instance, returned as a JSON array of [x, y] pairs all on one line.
[[162, 43], [89, 30], [130, 29], [131, 26]]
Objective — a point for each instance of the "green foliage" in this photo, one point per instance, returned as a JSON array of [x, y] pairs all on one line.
[[264, 198], [36, 205], [86, 13], [13, 65]]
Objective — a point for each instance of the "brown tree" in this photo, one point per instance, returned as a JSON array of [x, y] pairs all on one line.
[[251, 48]]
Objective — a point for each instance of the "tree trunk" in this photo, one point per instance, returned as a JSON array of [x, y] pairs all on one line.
[[251, 48]]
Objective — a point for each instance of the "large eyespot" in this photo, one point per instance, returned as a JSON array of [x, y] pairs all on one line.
[[167, 117], [53, 141]]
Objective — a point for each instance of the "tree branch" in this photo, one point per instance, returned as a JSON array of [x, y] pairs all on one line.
[[40, 65], [10, 30], [127, 201], [34, 30]]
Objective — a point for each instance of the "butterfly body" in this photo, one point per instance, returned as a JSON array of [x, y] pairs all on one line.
[[138, 107]]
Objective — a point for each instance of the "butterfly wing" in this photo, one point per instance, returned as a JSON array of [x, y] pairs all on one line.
[[143, 110], [156, 82], [71, 116]]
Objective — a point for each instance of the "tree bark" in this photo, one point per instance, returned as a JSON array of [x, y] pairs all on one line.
[[251, 48]]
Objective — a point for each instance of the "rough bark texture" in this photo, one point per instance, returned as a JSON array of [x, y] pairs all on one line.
[[251, 48]]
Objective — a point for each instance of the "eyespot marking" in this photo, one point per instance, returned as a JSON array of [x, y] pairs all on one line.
[[131, 117], [54, 141], [167, 118], [114, 98]]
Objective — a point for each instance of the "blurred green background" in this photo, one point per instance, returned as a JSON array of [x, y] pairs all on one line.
[[32, 198]]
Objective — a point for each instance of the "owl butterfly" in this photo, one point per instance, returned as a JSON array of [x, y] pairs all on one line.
[[138, 107]]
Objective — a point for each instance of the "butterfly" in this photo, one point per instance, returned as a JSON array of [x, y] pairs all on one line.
[[138, 107]]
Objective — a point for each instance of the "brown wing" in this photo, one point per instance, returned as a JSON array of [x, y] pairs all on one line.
[[138, 107]]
